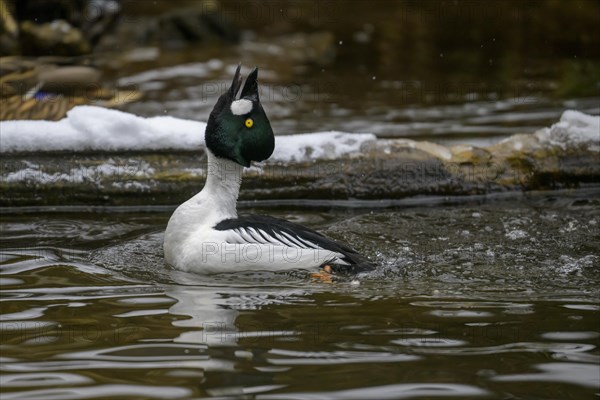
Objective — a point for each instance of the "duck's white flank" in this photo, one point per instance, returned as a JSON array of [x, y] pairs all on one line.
[[241, 107], [192, 244]]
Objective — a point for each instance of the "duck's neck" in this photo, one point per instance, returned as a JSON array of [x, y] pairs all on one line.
[[222, 186]]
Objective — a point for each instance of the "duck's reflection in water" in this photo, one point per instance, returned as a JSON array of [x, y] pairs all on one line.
[[214, 306]]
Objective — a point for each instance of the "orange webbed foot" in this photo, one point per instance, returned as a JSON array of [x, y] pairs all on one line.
[[325, 275]]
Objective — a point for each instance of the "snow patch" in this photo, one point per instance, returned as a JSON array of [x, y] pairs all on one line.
[[570, 265], [90, 128], [97, 128], [319, 145], [78, 174], [574, 127]]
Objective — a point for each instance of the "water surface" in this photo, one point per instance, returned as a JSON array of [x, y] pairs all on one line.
[[482, 300], [450, 72]]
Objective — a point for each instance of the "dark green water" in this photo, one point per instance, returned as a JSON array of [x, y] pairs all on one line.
[[489, 300]]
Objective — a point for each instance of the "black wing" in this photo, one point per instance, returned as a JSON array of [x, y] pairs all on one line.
[[297, 236]]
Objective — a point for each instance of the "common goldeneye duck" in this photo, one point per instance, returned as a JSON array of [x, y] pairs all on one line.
[[206, 235]]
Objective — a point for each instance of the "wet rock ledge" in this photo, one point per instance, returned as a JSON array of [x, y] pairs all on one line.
[[36, 171]]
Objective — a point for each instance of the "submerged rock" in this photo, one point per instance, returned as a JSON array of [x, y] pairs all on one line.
[[100, 156]]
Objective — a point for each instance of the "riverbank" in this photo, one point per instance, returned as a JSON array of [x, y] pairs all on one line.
[[98, 156]]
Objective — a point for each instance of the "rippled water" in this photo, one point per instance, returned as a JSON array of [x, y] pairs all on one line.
[[491, 300]]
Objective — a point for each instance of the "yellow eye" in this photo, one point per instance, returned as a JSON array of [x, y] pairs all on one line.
[[249, 123]]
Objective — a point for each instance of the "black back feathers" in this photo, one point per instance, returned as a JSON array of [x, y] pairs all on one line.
[[269, 228]]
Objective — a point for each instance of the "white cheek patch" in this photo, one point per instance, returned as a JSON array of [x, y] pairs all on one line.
[[241, 107]]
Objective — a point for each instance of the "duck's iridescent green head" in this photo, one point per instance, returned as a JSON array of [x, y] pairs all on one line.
[[238, 129]]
